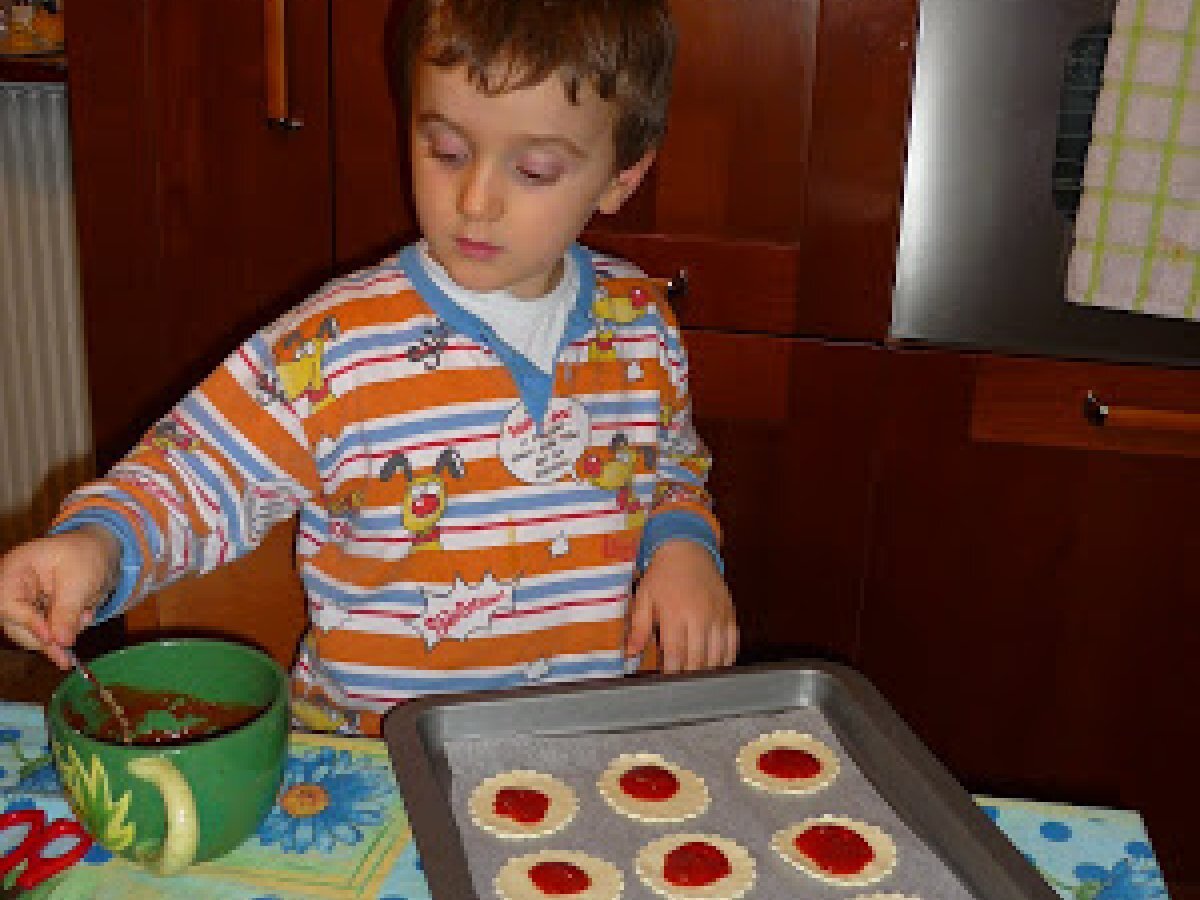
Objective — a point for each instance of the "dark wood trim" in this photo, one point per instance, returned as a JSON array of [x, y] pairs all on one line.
[[33, 68]]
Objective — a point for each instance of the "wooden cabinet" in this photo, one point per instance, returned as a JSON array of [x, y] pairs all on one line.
[[197, 221], [792, 425], [777, 188], [1032, 588]]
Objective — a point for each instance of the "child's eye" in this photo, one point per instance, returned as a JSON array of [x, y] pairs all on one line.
[[446, 149], [539, 172], [450, 157]]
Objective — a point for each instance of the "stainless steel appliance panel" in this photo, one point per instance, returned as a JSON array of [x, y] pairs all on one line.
[[983, 250]]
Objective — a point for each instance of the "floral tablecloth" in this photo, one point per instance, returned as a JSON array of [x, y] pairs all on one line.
[[357, 844]]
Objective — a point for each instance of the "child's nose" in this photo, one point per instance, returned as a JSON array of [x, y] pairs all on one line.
[[479, 195]]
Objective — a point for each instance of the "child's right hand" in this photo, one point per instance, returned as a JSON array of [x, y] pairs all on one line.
[[49, 587]]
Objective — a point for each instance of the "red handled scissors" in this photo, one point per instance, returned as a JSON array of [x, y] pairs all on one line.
[[32, 848]]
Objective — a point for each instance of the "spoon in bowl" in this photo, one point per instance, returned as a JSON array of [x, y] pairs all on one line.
[[109, 700], [105, 694]]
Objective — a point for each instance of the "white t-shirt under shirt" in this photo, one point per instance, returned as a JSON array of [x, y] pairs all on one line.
[[533, 327]]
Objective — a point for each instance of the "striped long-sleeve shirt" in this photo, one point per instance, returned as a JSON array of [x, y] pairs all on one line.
[[466, 521]]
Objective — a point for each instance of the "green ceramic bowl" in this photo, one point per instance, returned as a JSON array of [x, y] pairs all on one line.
[[214, 791]]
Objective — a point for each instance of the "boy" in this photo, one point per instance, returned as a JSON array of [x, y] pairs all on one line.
[[485, 438]]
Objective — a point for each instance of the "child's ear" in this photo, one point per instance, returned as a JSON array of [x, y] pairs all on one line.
[[624, 183]]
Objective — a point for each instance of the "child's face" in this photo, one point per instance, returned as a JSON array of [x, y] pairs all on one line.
[[504, 184]]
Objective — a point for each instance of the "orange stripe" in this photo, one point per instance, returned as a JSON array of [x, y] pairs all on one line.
[[353, 310], [245, 413], [439, 387], [455, 655], [504, 563]]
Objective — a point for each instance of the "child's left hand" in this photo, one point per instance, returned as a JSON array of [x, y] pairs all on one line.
[[684, 594]]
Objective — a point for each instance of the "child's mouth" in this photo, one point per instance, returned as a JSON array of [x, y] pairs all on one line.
[[480, 251]]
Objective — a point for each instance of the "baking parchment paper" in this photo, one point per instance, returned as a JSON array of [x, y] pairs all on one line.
[[736, 810]]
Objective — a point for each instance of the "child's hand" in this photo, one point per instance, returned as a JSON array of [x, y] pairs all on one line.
[[49, 587], [684, 594]]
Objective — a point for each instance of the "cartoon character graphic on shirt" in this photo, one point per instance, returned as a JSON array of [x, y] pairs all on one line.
[[617, 302], [429, 349], [342, 511], [170, 435], [313, 710], [613, 469], [299, 373], [424, 501], [681, 445]]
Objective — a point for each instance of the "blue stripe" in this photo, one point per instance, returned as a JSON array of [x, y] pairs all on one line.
[[111, 491], [677, 524], [623, 407], [411, 598], [401, 685], [393, 342], [228, 442], [376, 437], [131, 564], [669, 472], [463, 511], [259, 352], [197, 466]]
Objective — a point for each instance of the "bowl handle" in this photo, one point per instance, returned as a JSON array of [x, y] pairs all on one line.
[[179, 845]]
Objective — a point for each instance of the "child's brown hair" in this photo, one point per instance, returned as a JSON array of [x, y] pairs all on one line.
[[623, 49]]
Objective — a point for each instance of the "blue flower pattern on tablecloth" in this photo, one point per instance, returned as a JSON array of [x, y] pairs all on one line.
[[1137, 877], [35, 774], [1059, 850], [327, 798]]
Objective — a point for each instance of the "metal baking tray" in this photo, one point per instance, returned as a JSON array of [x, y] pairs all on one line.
[[937, 809]]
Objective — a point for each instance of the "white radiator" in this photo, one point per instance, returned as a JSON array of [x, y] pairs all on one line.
[[45, 430]]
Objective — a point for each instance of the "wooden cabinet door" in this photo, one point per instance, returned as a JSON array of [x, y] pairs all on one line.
[[792, 428], [778, 186], [373, 213], [1032, 596], [197, 221]]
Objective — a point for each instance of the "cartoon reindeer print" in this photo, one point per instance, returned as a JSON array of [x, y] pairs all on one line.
[[613, 469], [298, 368], [425, 499]]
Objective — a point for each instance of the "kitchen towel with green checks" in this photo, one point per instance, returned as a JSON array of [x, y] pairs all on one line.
[[1137, 234]]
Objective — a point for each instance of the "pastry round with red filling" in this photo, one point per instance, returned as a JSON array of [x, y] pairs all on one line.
[[837, 850], [558, 873], [696, 867], [522, 804], [787, 762], [648, 788]]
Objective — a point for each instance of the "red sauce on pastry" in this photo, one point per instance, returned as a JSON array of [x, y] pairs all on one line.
[[652, 783], [835, 849], [558, 878], [524, 805], [789, 762], [695, 864]]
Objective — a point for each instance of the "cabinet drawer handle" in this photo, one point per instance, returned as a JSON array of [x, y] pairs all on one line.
[[278, 104], [677, 287], [1135, 418]]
